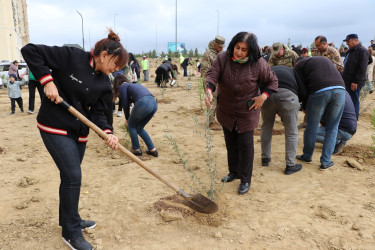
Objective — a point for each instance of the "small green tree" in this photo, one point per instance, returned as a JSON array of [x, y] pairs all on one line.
[[196, 53]]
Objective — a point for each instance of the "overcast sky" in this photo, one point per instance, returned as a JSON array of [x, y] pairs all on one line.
[[144, 25]]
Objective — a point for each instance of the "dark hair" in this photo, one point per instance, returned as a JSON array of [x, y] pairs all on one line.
[[117, 82], [321, 39], [113, 47], [132, 58], [252, 42]]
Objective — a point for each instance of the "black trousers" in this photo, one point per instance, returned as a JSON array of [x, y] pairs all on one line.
[[13, 103], [32, 85], [119, 105], [240, 153]]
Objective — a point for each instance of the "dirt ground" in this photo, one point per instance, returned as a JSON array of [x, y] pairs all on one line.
[[312, 209]]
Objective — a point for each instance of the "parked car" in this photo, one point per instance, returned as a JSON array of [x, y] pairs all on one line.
[[4, 68]]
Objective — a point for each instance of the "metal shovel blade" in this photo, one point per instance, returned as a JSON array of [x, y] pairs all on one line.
[[201, 204]]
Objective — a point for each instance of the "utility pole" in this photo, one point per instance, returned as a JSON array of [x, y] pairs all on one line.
[[83, 36], [114, 22], [176, 25], [217, 22]]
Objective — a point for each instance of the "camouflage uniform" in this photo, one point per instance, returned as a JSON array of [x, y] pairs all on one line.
[[332, 54], [207, 60], [288, 58]]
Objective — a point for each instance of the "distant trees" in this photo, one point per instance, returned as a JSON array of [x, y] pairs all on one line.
[[153, 54]]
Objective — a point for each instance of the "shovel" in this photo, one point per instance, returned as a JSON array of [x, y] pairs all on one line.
[[197, 202]]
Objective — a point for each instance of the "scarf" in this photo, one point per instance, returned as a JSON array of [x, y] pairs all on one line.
[[241, 61]]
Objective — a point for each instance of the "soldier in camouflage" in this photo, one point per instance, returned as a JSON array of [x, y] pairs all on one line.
[[214, 47], [323, 49], [282, 55]]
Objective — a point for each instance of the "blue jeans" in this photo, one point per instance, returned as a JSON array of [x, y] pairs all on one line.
[[67, 154], [142, 112], [145, 75], [355, 98], [185, 71], [341, 135], [332, 102]]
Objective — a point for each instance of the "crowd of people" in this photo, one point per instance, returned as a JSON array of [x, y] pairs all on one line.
[[241, 84]]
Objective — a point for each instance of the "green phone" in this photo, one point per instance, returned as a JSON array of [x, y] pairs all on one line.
[[250, 103]]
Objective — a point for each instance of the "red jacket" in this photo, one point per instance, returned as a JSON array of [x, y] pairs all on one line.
[[236, 84]]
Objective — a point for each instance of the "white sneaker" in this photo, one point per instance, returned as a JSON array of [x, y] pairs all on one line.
[[114, 112], [119, 113], [30, 112]]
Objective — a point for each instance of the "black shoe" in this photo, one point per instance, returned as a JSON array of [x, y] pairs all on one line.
[[339, 146], [80, 243], [325, 167], [266, 162], [302, 158], [229, 178], [153, 153], [292, 169], [21, 110], [137, 152], [12, 113], [243, 188], [87, 224]]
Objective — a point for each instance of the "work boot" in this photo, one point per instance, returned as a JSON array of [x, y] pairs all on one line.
[[266, 162], [230, 177], [243, 188], [292, 169], [339, 146], [87, 224], [80, 243]]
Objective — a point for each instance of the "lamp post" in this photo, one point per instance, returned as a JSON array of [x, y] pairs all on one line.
[[114, 22], [176, 25], [83, 36], [217, 22]]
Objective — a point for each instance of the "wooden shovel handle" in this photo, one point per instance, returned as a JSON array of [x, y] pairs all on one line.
[[129, 154]]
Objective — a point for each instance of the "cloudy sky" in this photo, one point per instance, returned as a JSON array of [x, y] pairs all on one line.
[[144, 25]]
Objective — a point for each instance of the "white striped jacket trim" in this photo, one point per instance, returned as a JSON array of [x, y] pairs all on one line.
[[45, 79], [60, 132]]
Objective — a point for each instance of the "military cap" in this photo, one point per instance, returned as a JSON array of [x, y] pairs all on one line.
[[219, 40], [276, 47], [350, 36]]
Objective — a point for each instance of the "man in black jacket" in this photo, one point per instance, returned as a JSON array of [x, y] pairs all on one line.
[[354, 73], [285, 103]]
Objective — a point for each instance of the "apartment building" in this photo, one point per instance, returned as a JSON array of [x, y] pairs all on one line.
[[14, 29]]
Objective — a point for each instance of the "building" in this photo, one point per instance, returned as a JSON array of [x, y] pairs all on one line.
[[14, 29]]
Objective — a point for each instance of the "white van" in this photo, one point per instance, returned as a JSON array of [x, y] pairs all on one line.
[[4, 68]]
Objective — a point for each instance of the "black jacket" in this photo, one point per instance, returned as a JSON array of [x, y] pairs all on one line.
[[289, 79], [355, 63], [73, 72], [317, 73]]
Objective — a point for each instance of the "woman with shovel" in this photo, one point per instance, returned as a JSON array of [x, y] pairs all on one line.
[[81, 79]]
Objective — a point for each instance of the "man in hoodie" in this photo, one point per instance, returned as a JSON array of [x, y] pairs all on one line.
[[214, 47]]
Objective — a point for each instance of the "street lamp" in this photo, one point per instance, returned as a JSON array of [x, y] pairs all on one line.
[[217, 22], [83, 37], [114, 22], [176, 25]]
